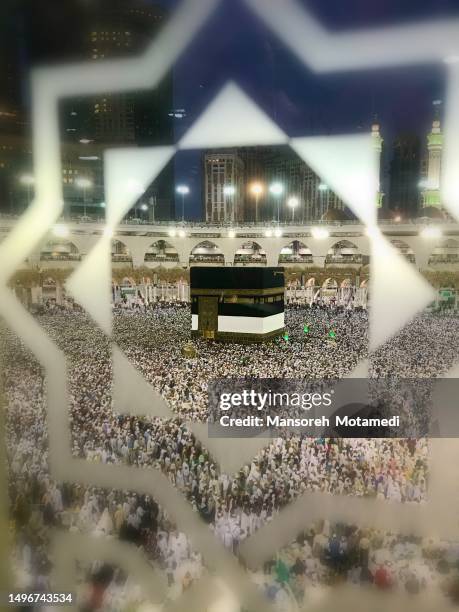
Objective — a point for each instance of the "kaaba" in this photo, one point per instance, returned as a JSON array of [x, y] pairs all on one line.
[[237, 304]]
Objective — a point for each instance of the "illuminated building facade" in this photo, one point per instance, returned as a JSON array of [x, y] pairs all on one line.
[[223, 187]]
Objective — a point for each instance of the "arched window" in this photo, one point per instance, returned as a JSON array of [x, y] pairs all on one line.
[[161, 251], [206, 252], [120, 252], [404, 249], [250, 253], [59, 250], [295, 253], [344, 252]]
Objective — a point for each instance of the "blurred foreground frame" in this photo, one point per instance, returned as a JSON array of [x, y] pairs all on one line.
[[5, 572], [324, 52]]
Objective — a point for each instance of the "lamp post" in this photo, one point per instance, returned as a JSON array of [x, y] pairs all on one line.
[[183, 190], [84, 184], [228, 192], [293, 202], [277, 189], [256, 189]]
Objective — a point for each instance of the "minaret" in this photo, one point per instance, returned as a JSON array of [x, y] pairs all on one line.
[[431, 183], [378, 144]]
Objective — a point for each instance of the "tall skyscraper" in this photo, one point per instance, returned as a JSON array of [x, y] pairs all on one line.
[[116, 29], [265, 166], [223, 189], [283, 165], [430, 182], [404, 174], [15, 146]]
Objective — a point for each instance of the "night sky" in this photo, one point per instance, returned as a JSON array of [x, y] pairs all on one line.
[[301, 102], [235, 45]]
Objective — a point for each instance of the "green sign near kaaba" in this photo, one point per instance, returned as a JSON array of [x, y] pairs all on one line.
[[128, 290]]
